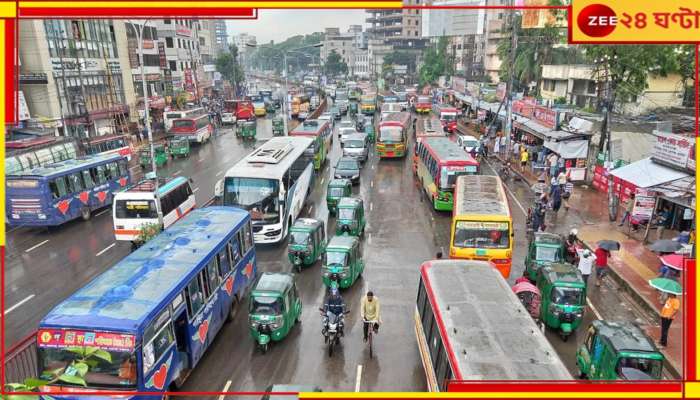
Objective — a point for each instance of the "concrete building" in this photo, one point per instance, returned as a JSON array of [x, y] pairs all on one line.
[[361, 65], [244, 52], [395, 23], [377, 49], [219, 31], [344, 45], [181, 53], [85, 79]]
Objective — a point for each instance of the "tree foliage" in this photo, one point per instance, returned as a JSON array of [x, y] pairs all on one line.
[[436, 62], [335, 64], [228, 64], [398, 57], [268, 56]]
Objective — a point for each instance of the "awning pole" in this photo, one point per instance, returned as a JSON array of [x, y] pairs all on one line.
[[646, 232]]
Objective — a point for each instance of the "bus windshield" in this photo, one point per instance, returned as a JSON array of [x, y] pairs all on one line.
[[119, 371], [183, 123], [448, 176], [259, 196], [448, 116], [135, 209], [476, 234], [390, 134]]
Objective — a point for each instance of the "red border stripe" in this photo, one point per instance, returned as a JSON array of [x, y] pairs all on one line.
[[565, 386], [11, 116], [690, 320], [113, 12]]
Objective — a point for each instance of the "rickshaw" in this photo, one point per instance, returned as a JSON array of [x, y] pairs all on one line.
[[342, 262], [247, 130], [563, 297], [529, 295], [145, 156], [307, 239], [352, 109], [369, 130], [270, 107], [178, 146], [544, 249], [337, 188], [274, 308], [618, 351], [351, 217], [277, 126]]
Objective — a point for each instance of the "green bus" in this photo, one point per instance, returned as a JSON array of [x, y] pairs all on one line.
[[322, 132]]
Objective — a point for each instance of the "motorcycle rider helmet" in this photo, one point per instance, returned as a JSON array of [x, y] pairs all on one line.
[[573, 232]]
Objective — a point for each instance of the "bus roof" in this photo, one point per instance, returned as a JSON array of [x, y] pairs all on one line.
[[480, 194], [272, 159], [625, 337], [105, 138], [148, 185], [447, 151], [446, 107], [310, 126], [59, 168], [135, 289], [486, 331], [397, 118]]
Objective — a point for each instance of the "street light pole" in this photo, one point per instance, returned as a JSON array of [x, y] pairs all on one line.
[[286, 93]]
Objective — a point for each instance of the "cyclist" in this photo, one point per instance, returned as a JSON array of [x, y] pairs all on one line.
[[370, 312]]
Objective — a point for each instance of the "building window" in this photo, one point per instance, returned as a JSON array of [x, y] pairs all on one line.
[[169, 42], [173, 65]]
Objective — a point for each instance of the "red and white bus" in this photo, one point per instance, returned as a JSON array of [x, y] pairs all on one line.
[[392, 140], [470, 326], [423, 104], [197, 129], [108, 144], [241, 109], [447, 115]]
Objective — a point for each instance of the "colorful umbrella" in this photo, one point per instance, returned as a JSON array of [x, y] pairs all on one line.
[[665, 246], [525, 287], [674, 261], [666, 285], [609, 245]]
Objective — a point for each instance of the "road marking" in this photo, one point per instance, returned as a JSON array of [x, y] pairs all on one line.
[[597, 314], [372, 167], [219, 173], [369, 238], [24, 300], [371, 206], [509, 191], [358, 378], [322, 180], [105, 249], [36, 245], [195, 190], [228, 385], [103, 211], [200, 160], [371, 184], [176, 173]]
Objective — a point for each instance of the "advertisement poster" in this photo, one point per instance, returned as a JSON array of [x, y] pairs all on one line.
[[644, 202]]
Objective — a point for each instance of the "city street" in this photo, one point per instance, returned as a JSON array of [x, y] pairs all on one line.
[[43, 267]]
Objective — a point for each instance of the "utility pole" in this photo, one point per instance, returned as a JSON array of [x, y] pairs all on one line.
[[605, 137], [509, 88], [86, 114], [194, 64]]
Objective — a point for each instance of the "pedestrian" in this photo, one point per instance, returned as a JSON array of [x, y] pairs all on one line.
[[414, 125], [629, 206], [668, 313], [516, 151], [553, 166], [585, 265], [556, 198], [523, 160], [665, 219], [566, 194], [562, 178], [601, 264]]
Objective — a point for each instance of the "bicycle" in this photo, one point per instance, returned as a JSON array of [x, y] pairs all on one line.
[[370, 334]]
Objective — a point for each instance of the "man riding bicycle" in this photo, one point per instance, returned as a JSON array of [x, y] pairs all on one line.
[[370, 312]]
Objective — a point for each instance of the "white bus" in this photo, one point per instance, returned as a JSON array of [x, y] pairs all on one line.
[[170, 116], [138, 206], [272, 183]]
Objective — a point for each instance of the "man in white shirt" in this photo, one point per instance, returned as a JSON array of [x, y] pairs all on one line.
[[585, 263]]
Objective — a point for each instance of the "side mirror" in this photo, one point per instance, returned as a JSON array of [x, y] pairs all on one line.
[[219, 188]]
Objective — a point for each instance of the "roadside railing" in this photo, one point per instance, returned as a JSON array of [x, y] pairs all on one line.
[[21, 360]]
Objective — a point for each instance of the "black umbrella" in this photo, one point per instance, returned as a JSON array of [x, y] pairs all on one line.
[[609, 245], [665, 246]]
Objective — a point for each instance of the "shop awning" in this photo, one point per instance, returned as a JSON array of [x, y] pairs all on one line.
[[645, 173], [569, 149]]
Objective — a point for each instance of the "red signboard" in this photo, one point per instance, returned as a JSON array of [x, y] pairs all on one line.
[[161, 54], [545, 116], [148, 44], [188, 78], [70, 338], [183, 31]]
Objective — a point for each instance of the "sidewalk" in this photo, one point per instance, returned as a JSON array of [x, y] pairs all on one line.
[[631, 267]]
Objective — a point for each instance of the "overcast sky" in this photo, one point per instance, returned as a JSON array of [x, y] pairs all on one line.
[[278, 25]]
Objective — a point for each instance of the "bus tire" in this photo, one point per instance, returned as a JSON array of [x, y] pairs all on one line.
[[85, 213], [233, 310]]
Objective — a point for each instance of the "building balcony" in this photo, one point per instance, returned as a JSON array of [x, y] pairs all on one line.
[[385, 29], [569, 71]]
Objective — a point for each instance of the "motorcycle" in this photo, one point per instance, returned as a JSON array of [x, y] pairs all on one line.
[[505, 173], [333, 329]]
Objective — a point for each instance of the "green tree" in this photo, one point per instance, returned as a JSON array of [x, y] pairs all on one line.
[[268, 56], [229, 67], [436, 62], [398, 57], [335, 64]]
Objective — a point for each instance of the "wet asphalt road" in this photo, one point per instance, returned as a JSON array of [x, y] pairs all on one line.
[[402, 232]]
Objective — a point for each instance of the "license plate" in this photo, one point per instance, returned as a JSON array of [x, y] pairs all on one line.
[[480, 252]]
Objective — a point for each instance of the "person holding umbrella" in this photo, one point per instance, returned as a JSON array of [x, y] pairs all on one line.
[[601, 258], [668, 313]]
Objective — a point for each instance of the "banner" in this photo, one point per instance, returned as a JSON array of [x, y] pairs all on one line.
[[501, 91], [644, 203], [161, 55], [675, 151]]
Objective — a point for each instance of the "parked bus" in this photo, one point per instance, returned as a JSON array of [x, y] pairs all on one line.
[[170, 116], [27, 154], [482, 225], [57, 193], [447, 115], [154, 314], [196, 129], [368, 104], [272, 183], [138, 205], [440, 162], [321, 132], [469, 325], [423, 104], [108, 144], [392, 140]]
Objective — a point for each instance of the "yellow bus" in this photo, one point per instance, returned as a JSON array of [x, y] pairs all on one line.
[[482, 226]]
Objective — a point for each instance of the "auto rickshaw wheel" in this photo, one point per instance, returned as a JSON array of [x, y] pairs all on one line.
[[263, 348], [564, 336], [298, 268]]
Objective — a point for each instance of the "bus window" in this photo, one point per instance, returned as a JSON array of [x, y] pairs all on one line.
[[123, 169], [235, 249], [195, 296], [158, 338], [213, 275], [75, 184], [58, 187], [224, 261], [167, 204], [113, 170], [98, 174], [87, 180], [435, 343], [441, 367], [422, 299], [248, 237]]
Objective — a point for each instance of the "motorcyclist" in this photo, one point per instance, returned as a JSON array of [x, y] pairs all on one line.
[[505, 170], [333, 307], [572, 244]]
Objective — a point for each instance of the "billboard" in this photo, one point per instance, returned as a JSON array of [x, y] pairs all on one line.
[[534, 18]]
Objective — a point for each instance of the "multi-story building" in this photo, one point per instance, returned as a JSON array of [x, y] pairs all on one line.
[[244, 51], [342, 43], [377, 49], [181, 37], [395, 23], [207, 52], [85, 83], [220, 35], [361, 65]]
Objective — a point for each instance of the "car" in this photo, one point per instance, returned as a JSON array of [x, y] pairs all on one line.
[[327, 116], [335, 111], [228, 118], [348, 168], [467, 142], [344, 133], [347, 124], [357, 147]]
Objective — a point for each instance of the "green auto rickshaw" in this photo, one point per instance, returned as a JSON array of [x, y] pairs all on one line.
[[275, 306], [178, 146], [352, 109], [563, 297], [247, 130], [613, 351], [337, 188], [351, 216], [307, 239], [544, 249], [277, 126], [145, 156], [270, 107], [342, 261]]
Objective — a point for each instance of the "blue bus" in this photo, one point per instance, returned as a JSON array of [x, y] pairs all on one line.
[[155, 313], [60, 192]]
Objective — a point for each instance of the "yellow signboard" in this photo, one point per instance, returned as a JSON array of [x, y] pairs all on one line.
[[634, 21]]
